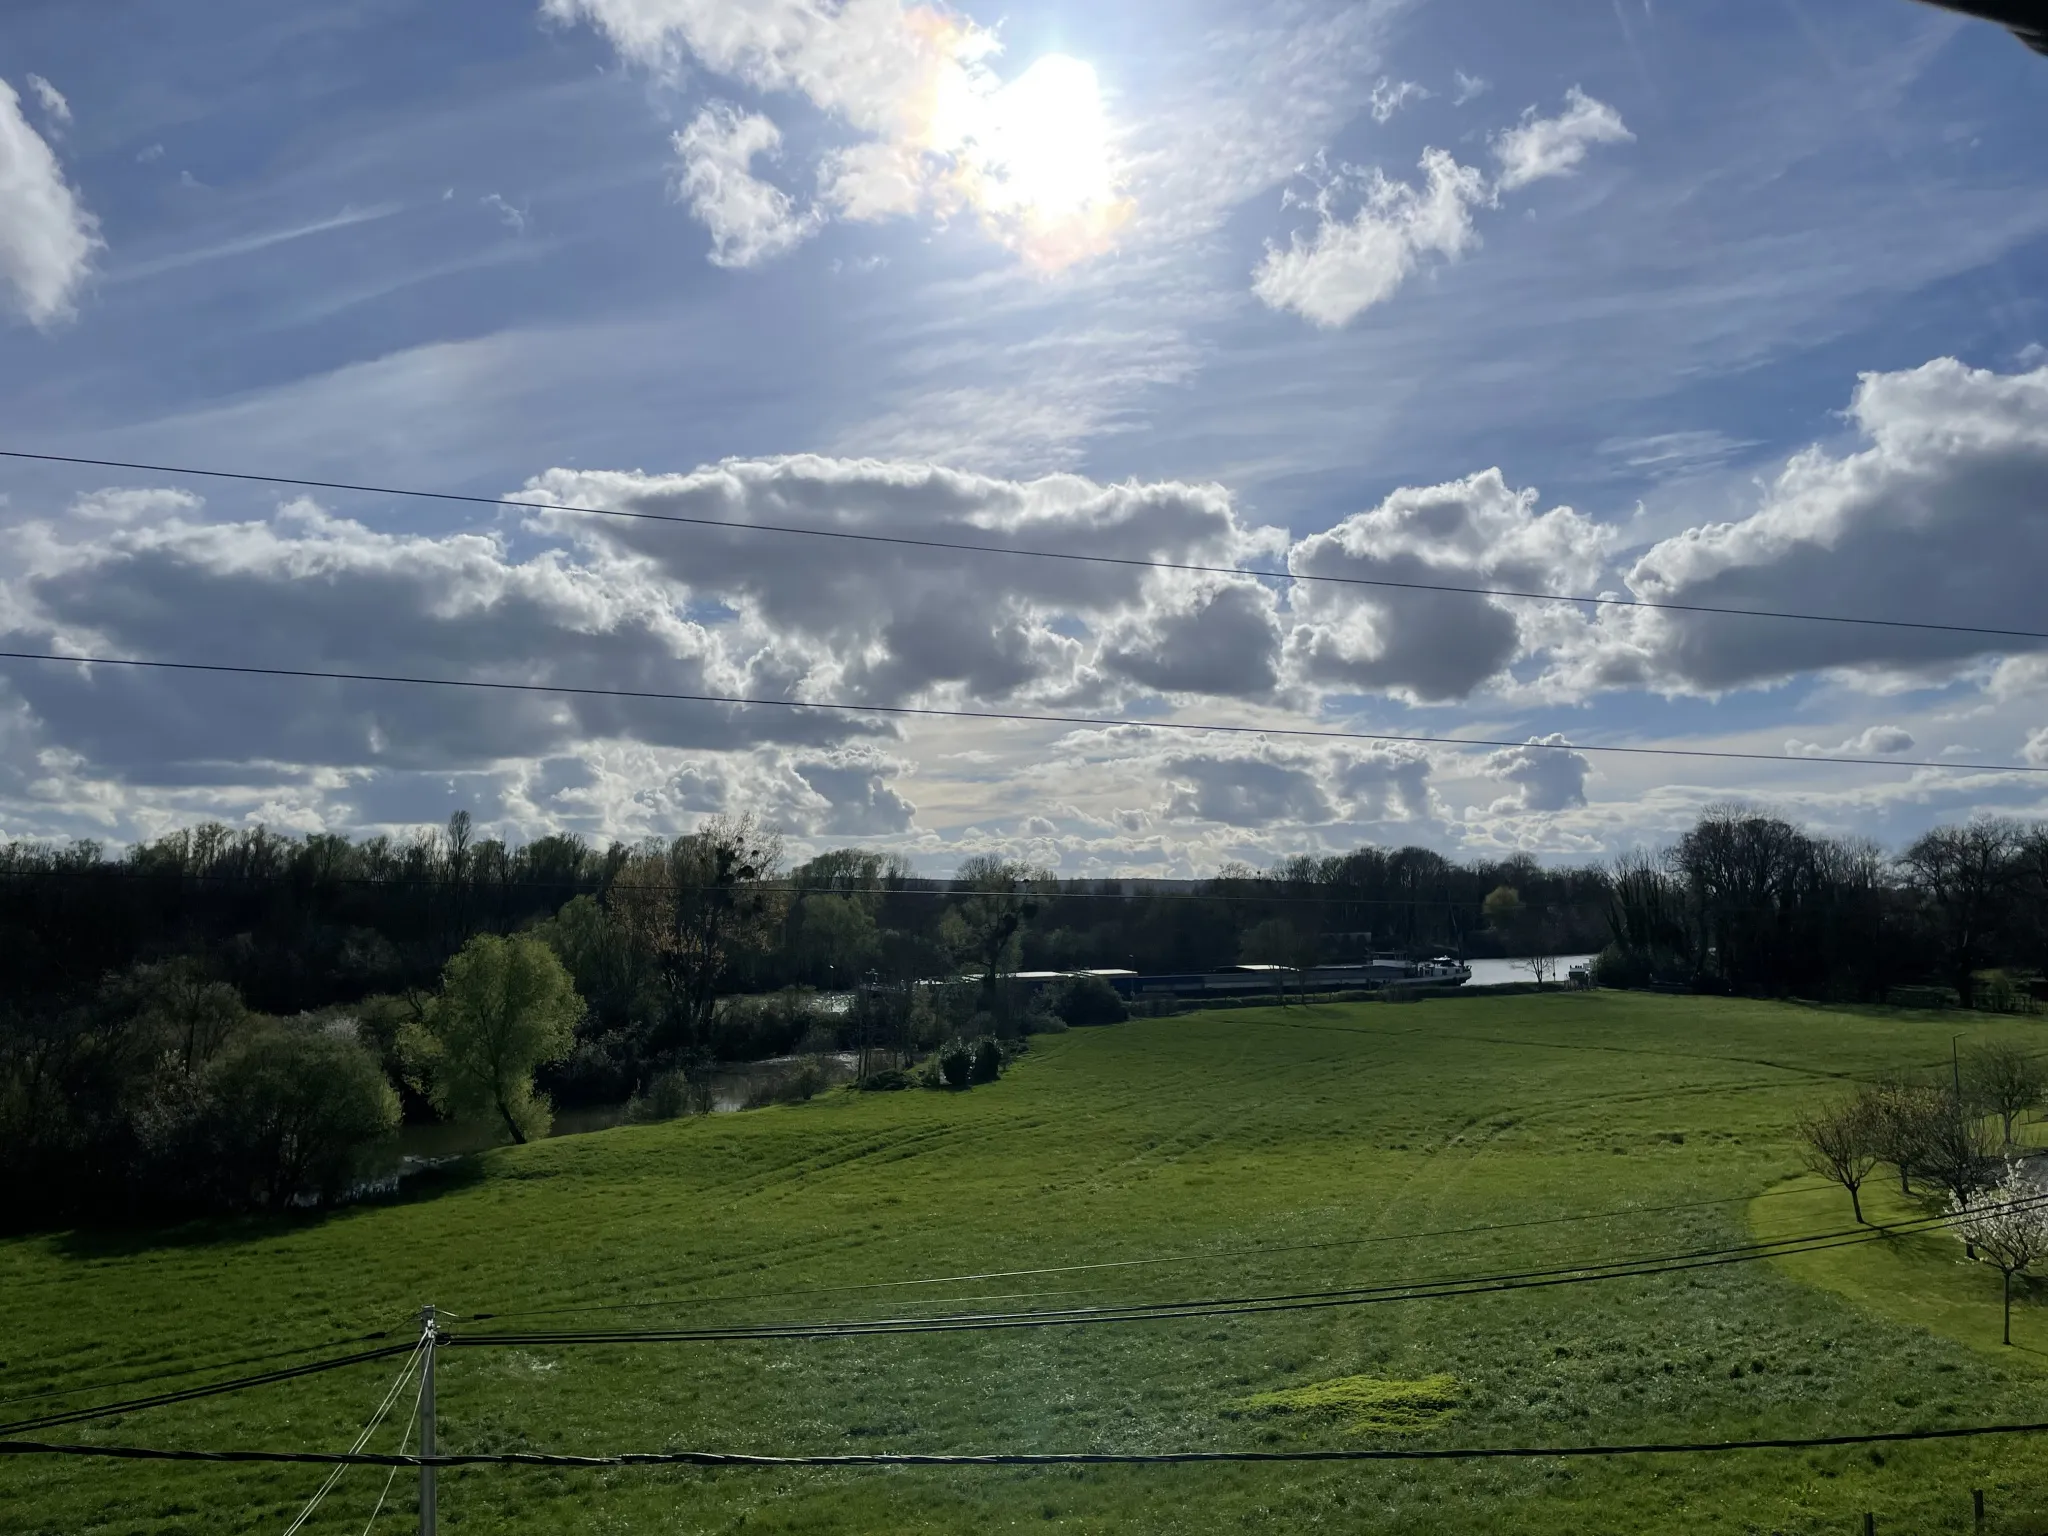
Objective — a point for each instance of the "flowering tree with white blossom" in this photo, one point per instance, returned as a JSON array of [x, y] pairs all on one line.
[[2006, 1224]]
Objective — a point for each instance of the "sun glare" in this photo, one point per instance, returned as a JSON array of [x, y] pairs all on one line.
[[1036, 157]]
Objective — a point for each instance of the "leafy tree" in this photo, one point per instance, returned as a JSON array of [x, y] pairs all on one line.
[[506, 1006], [1840, 1143], [289, 1114], [2006, 1079], [834, 938], [190, 1011], [1502, 908], [2007, 1226], [985, 928]]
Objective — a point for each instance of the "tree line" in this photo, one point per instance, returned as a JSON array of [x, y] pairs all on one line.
[[1748, 902], [190, 1021]]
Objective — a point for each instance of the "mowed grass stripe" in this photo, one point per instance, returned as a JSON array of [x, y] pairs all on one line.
[[1206, 1132]]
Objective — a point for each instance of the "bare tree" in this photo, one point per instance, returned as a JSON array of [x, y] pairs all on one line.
[[1840, 1143], [1957, 1147], [1966, 877], [1903, 1119], [2006, 1079], [2006, 1224], [696, 904]]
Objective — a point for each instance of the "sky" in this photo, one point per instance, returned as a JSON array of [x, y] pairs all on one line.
[[1738, 306]]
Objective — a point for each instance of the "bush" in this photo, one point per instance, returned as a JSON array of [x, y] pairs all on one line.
[[888, 1080], [956, 1063], [669, 1097], [289, 1116], [988, 1061], [1084, 1000]]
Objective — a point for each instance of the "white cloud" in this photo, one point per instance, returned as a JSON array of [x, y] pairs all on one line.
[[511, 217], [1270, 787], [1468, 86], [1031, 157], [1425, 645], [52, 99], [1872, 741], [149, 154], [1539, 147], [750, 220], [1939, 516], [47, 238], [1390, 96], [2036, 749], [1349, 265], [1547, 775]]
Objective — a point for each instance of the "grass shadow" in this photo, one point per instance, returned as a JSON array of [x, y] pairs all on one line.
[[118, 1239]]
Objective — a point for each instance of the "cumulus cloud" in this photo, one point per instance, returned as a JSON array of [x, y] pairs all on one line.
[[1540, 147], [750, 220], [52, 99], [933, 126], [1938, 516], [1426, 645], [1872, 741], [1547, 775], [47, 238], [1390, 96], [1348, 265], [900, 622], [2036, 749], [1271, 786]]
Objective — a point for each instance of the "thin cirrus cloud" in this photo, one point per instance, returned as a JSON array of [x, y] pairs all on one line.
[[1346, 265], [47, 237]]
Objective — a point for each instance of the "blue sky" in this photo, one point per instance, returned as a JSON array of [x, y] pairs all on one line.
[[1744, 304]]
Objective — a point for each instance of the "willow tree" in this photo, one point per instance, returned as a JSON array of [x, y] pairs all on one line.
[[505, 1007]]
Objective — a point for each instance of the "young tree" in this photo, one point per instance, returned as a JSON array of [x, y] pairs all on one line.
[[506, 1006], [1840, 1144], [2007, 1225], [1902, 1121], [2006, 1079], [1957, 1146]]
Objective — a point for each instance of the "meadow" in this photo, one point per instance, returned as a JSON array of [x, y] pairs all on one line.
[[1208, 1155]]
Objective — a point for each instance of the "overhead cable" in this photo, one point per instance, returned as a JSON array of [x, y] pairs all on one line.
[[926, 711], [1582, 1273], [961, 546], [1019, 1458]]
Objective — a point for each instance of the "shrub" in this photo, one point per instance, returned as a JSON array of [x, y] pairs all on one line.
[[289, 1116], [988, 1061], [889, 1080], [1084, 1000], [956, 1063], [669, 1097]]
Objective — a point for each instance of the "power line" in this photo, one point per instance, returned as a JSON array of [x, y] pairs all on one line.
[[1183, 1258], [391, 1396], [214, 1389], [964, 547], [189, 1370], [1015, 1458], [1173, 1311], [935, 712]]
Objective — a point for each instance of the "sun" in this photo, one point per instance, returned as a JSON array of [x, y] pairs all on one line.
[[1036, 156], [1049, 142]]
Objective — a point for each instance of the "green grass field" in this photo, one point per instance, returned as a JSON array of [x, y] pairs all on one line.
[[1181, 1140]]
